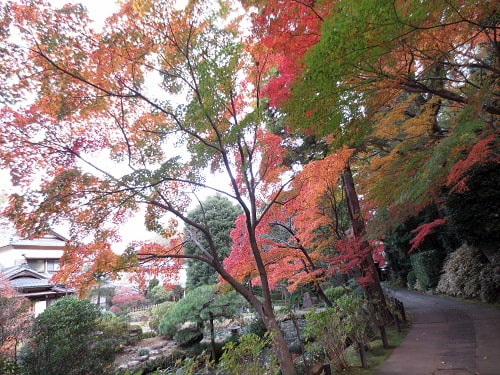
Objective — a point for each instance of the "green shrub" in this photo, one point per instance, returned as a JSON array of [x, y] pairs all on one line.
[[411, 279], [65, 340], [255, 326], [355, 317], [196, 365], [148, 335], [326, 337], [336, 291], [116, 328], [9, 367], [134, 334], [188, 336], [143, 351], [490, 284], [249, 356], [157, 313], [464, 273], [355, 288], [427, 268], [159, 294]]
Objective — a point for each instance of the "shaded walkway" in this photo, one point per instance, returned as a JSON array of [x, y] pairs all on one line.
[[447, 337]]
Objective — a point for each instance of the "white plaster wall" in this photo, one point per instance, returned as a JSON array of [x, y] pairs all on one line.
[[13, 257]]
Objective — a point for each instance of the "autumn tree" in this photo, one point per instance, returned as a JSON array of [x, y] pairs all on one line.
[[15, 318], [126, 298], [219, 215], [133, 116], [415, 91], [301, 234], [411, 86], [299, 27]]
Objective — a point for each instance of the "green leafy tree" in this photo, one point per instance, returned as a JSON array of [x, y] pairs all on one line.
[[159, 294], [151, 284], [199, 306], [218, 214], [65, 340], [402, 93]]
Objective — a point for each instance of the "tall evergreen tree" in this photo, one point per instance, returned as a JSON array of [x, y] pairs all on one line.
[[218, 214]]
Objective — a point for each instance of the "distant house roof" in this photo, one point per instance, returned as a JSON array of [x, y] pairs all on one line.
[[32, 284], [22, 270], [50, 239]]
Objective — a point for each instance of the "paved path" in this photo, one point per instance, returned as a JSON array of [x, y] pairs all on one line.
[[447, 338]]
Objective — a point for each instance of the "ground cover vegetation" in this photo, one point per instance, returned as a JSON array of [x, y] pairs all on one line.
[[302, 107]]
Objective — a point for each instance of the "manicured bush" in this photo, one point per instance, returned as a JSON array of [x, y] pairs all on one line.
[[427, 268], [157, 313], [336, 291], [159, 294], [115, 328], [463, 273], [411, 279], [65, 340]]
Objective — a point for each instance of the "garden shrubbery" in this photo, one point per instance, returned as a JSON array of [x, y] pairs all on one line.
[[245, 356], [66, 340], [157, 313], [411, 279], [467, 273], [335, 292], [427, 268], [329, 332]]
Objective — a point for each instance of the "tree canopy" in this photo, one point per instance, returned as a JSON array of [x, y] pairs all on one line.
[[219, 215], [392, 101]]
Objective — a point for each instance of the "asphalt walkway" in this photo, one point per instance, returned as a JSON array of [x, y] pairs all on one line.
[[447, 337]]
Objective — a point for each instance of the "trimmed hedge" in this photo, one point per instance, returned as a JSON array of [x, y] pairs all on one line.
[[411, 279], [427, 268], [467, 273]]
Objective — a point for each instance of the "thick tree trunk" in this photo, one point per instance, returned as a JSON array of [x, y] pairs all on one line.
[[280, 345], [321, 295], [265, 310], [373, 290]]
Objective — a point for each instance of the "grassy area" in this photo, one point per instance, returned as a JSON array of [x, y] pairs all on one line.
[[376, 353]]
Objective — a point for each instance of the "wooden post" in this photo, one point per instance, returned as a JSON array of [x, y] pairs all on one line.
[[362, 355], [396, 320], [402, 310], [383, 335]]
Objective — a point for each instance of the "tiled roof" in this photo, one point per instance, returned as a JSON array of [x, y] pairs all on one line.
[[32, 283], [29, 282], [24, 269], [50, 239]]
